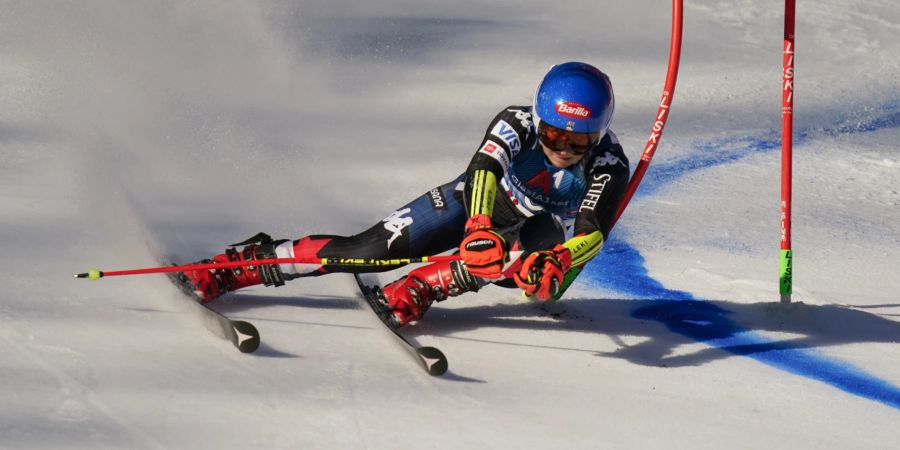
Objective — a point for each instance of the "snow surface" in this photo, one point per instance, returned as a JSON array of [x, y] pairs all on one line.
[[135, 129]]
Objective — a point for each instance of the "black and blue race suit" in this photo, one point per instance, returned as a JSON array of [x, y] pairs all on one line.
[[533, 204]]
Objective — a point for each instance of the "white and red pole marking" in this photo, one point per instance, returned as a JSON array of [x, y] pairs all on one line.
[[787, 140]]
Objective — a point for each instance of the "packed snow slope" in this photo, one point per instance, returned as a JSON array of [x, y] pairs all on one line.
[[131, 131]]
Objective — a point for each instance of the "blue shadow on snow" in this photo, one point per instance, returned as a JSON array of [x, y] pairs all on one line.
[[621, 268]]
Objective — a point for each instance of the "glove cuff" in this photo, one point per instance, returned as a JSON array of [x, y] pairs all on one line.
[[478, 222], [564, 256]]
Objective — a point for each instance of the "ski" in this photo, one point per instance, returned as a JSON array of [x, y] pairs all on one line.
[[242, 334], [429, 358]]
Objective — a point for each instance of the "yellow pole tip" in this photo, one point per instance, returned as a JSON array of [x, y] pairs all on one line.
[[92, 274]]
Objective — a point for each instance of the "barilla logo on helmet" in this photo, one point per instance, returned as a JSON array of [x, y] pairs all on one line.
[[573, 110]]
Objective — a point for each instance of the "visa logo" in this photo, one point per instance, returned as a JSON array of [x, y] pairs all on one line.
[[506, 132]]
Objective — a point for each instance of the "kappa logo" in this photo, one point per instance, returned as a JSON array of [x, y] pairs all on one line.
[[573, 110], [524, 117], [608, 159], [504, 131], [396, 223]]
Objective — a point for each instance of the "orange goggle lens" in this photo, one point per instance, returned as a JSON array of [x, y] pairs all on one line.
[[561, 140]]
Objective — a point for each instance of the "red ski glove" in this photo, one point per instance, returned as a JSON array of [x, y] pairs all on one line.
[[483, 250], [543, 272]]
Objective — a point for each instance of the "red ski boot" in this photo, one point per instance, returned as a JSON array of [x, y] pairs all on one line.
[[413, 294], [210, 284]]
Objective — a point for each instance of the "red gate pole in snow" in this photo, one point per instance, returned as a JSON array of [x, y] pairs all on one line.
[[787, 138], [662, 113], [656, 131]]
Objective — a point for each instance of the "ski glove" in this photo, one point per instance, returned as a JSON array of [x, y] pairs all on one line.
[[542, 272], [483, 250]]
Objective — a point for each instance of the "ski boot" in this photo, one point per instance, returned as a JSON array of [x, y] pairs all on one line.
[[410, 296], [210, 284]]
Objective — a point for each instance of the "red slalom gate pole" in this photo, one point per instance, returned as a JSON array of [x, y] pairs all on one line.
[[787, 143], [662, 113], [95, 274], [656, 131]]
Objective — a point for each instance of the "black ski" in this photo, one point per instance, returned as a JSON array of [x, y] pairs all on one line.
[[429, 358], [242, 334]]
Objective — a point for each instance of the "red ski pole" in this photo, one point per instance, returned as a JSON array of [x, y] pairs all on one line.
[[96, 274]]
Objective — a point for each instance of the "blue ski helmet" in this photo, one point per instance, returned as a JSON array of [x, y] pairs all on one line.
[[577, 97]]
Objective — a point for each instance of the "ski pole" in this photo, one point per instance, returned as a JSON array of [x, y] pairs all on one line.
[[96, 274]]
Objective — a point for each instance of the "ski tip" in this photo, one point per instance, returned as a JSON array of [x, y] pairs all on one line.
[[92, 274], [245, 337], [434, 360]]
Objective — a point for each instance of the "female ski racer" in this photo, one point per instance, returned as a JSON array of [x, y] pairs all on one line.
[[536, 203]]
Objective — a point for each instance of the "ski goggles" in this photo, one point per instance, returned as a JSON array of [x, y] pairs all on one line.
[[561, 140]]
